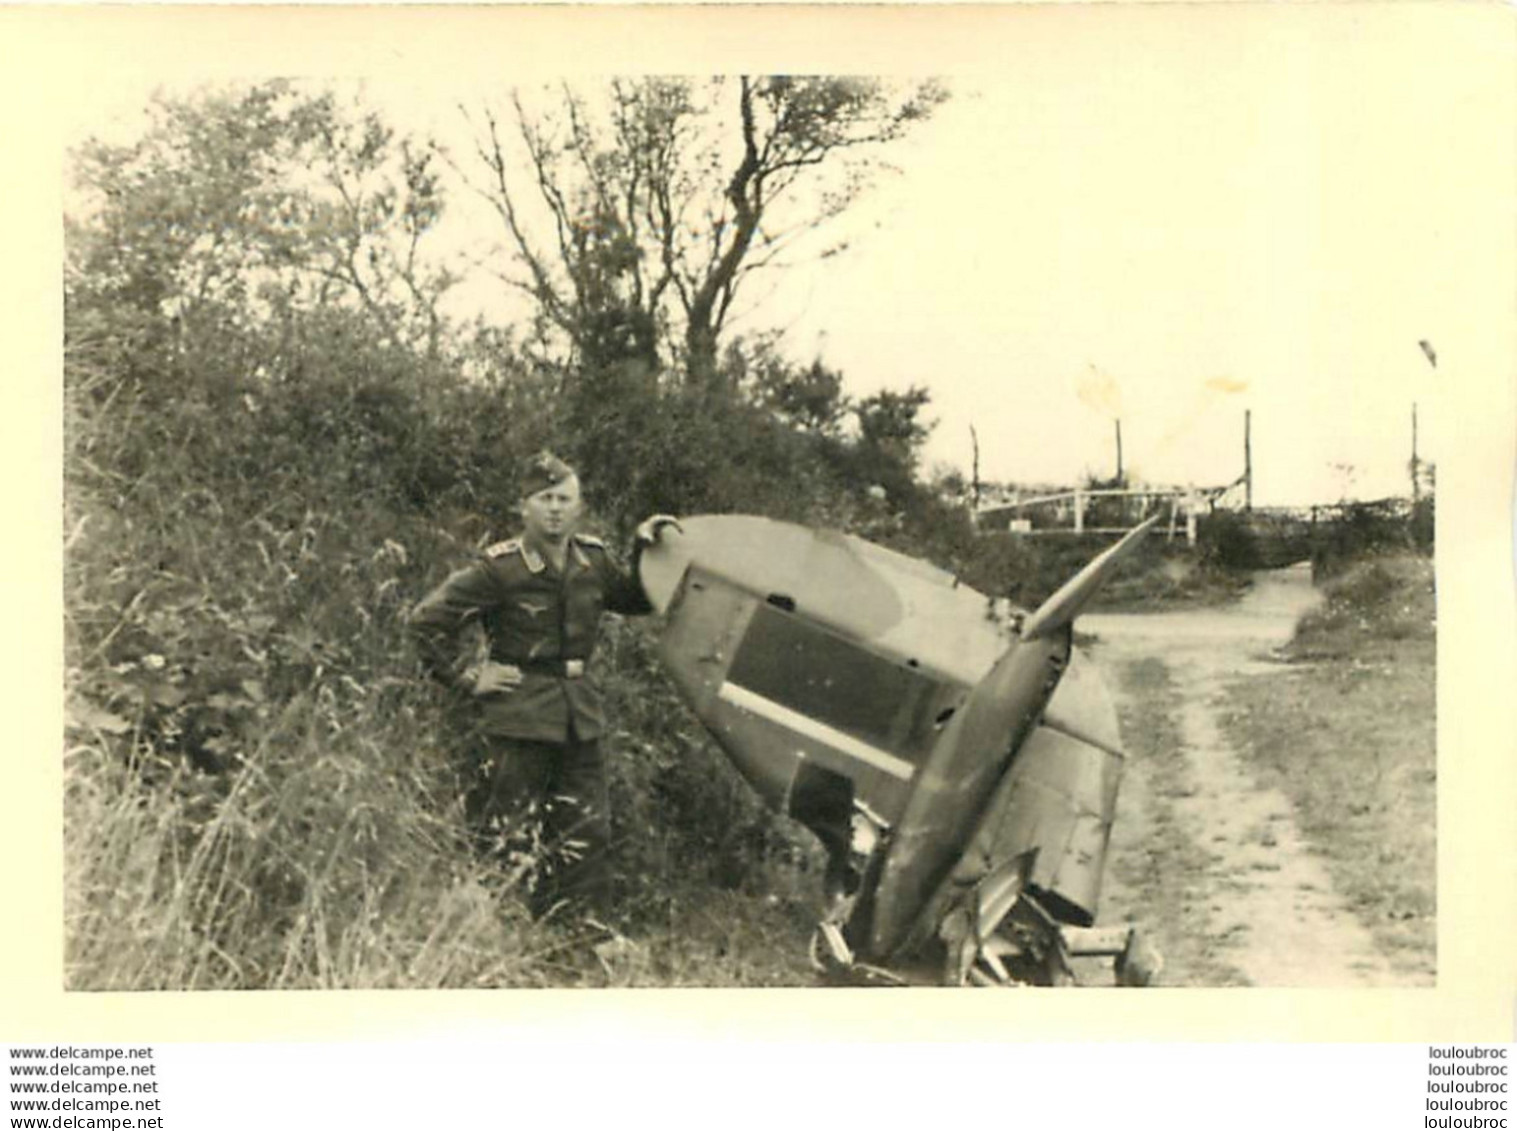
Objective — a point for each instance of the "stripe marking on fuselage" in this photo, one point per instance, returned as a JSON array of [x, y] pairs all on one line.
[[740, 696]]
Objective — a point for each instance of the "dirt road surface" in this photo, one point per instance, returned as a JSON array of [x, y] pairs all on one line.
[[1204, 859]]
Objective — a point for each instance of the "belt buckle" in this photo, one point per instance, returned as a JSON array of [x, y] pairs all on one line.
[[574, 669]]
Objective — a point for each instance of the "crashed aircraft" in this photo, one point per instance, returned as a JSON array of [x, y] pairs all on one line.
[[960, 766]]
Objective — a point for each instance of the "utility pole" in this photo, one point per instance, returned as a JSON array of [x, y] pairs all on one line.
[[1120, 481], [1248, 460], [974, 483], [1416, 489], [1432, 359]]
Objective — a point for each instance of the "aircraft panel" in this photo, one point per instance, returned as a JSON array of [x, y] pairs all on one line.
[[903, 608], [769, 745], [837, 682], [773, 688], [1081, 706]]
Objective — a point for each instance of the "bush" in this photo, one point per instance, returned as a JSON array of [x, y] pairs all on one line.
[[260, 784], [1360, 530], [1226, 540], [1424, 522], [1370, 603], [271, 453]]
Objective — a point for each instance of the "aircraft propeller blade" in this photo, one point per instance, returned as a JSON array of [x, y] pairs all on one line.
[[1056, 612]]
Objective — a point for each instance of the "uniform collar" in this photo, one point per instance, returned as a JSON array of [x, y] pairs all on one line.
[[536, 562]]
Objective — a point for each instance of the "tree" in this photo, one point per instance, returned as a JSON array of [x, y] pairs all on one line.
[[809, 398], [249, 283], [891, 434], [657, 199], [200, 246], [890, 423]]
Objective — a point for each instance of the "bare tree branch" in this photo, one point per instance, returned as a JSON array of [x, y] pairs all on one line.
[[666, 196]]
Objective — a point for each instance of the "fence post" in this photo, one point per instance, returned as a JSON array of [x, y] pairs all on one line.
[[1079, 511], [1248, 461]]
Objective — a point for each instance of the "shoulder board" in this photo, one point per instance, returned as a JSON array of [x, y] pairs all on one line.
[[589, 540], [501, 549]]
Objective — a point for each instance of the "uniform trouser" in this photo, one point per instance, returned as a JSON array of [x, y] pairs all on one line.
[[543, 809]]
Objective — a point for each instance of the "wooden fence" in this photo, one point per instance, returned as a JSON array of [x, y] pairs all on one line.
[[1103, 510]]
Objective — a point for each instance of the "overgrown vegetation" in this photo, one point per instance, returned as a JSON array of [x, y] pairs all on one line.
[[1349, 733], [1355, 531], [276, 441], [278, 438], [1369, 609]]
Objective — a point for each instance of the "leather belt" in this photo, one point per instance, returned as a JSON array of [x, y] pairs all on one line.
[[564, 669]]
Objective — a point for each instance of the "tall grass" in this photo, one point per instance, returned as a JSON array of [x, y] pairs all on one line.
[[175, 884], [1370, 604], [258, 792], [260, 786]]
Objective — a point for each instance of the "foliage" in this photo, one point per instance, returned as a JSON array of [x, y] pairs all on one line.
[[660, 197], [1390, 597], [1006, 565], [1226, 540], [208, 242], [274, 444], [1355, 531], [1424, 523], [890, 434], [808, 398], [1111, 512]]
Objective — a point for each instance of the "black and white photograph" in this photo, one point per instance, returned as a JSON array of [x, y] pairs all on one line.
[[940, 499], [757, 529]]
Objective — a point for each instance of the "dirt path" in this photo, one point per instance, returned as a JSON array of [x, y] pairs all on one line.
[[1208, 862]]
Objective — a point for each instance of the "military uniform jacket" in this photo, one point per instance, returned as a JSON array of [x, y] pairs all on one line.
[[543, 621]]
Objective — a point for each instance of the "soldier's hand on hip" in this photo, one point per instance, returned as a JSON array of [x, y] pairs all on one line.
[[650, 529], [492, 678]]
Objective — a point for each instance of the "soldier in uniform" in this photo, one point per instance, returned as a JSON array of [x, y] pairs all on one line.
[[538, 779]]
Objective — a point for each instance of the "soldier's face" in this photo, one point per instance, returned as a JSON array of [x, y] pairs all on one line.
[[551, 513]]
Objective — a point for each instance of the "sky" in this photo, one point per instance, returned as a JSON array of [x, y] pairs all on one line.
[[1126, 228], [1167, 222]]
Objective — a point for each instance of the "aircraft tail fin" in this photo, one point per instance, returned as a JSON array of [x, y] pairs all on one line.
[[1056, 612]]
